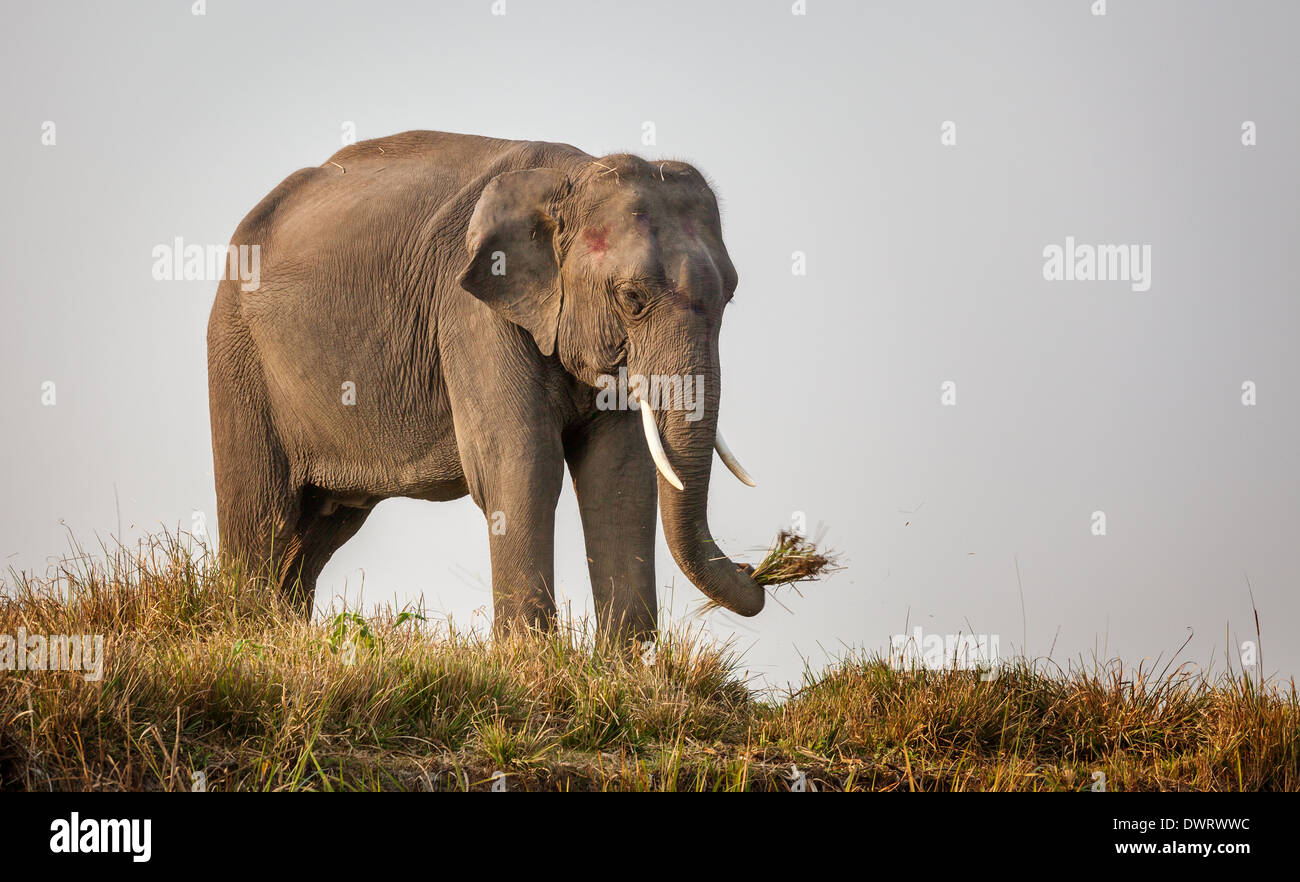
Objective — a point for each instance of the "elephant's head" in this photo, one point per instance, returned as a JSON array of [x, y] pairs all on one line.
[[620, 263]]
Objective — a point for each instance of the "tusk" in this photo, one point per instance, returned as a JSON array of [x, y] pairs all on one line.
[[656, 446], [730, 459]]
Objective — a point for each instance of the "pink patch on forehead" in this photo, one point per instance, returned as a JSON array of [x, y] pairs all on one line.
[[596, 239]]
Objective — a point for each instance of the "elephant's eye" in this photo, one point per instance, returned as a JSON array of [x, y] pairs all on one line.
[[632, 298]]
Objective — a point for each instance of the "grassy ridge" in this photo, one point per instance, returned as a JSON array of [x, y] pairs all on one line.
[[206, 671]]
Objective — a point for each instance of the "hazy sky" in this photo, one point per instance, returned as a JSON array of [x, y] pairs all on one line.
[[825, 134]]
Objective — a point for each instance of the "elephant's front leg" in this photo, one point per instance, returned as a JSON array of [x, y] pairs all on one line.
[[614, 478], [517, 490]]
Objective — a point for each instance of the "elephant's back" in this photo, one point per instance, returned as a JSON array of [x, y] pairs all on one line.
[[447, 151], [398, 199], [366, 188], [357, 256]]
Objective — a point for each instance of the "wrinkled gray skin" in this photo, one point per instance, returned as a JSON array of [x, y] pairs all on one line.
[[376, 268]]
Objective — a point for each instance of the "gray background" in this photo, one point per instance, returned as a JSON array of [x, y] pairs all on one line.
[[822, 135]]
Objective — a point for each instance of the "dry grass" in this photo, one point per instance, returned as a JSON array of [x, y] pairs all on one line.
[[207, 671]]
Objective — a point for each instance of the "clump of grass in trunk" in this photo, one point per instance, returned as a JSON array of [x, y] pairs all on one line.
[[791, 559]]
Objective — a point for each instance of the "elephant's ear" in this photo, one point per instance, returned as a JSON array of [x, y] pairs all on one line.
[[514, 266]]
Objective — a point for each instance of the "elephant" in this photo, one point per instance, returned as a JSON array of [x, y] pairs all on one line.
[[438, 315]]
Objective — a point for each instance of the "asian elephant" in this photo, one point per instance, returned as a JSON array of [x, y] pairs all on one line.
[[435, 315]]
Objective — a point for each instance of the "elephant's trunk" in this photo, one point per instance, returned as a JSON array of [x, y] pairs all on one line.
[[688, 446]]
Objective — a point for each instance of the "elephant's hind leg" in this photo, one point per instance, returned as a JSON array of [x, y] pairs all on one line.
[[315, 539]]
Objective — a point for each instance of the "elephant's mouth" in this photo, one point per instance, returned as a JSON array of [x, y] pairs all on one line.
[[655, 443]]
